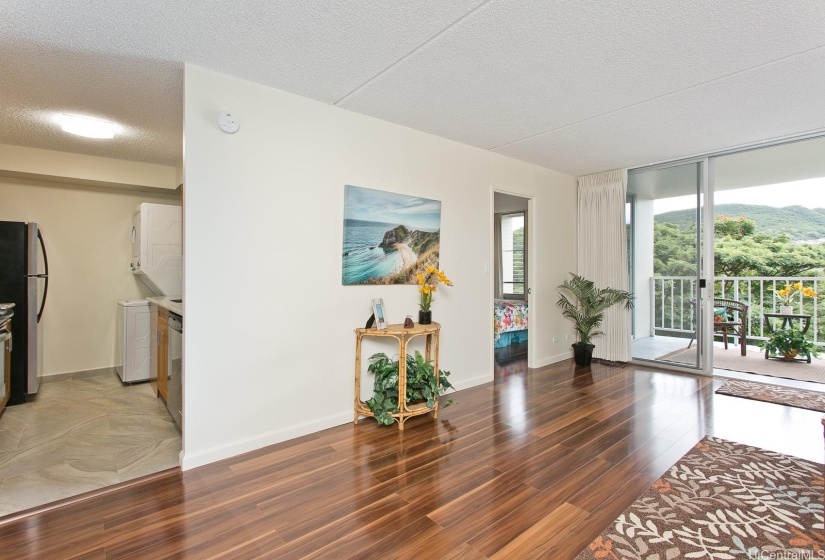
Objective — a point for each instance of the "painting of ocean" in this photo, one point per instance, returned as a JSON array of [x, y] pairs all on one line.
[[385, 234], [363, 258]]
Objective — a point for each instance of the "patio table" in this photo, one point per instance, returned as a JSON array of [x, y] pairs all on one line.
[[787, 320]]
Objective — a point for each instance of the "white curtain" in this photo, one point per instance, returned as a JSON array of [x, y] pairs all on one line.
[[602, 253], [498, 272]]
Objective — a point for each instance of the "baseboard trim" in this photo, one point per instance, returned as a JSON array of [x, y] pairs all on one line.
[[191, 460], [472, 382], [546, 361], [81, 374]]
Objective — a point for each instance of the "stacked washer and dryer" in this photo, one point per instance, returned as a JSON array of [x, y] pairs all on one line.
[[157, 259]]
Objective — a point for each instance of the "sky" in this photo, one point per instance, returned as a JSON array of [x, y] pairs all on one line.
[[809, 193], [373, 205]]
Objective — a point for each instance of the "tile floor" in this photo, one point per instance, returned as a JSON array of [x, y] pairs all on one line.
[[81, 435]]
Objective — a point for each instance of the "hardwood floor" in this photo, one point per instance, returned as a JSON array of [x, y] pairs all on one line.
[[532, 466]]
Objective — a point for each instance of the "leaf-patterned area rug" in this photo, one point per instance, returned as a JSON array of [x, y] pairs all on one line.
[[722, 501], [798, 398]]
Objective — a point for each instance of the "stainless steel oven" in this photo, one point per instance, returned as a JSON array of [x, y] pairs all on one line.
[[174, 389]]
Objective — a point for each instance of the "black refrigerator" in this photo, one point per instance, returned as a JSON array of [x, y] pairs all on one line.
[[24, 281]]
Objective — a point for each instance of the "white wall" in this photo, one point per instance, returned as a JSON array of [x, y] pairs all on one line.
[[269, 343], [86, 231], [643, 267]]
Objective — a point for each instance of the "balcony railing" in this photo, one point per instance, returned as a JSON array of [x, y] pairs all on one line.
[[671, 298]]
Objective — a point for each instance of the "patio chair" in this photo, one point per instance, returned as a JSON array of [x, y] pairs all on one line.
[[734, 321]]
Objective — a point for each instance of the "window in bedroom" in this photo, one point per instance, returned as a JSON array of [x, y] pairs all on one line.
[[513, 255]]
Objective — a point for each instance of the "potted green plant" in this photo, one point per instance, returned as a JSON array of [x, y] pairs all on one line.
[[422, 385], [586, 309], [788, 343]]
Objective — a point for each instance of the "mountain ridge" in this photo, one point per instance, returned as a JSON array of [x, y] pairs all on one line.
[[798, 222]]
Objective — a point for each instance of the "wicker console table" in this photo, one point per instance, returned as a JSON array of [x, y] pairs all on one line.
[[402, 335]]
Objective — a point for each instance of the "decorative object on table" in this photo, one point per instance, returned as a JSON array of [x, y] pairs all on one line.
[[788, 294], [378, 311], [721, 500], [587, 311], [422, 385], [370, 321], [408, 322], [388, 237], [788, 396], [788, 343], [428, 282]]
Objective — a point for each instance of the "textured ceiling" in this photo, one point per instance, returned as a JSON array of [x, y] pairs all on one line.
[[578, 86]]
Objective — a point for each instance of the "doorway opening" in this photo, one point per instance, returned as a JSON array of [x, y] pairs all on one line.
[[511, 289]]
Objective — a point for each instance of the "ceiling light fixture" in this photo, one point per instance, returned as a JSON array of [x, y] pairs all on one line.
[[88, 127]]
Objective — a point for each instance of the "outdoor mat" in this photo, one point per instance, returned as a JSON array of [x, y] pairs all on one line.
[[722, 500], [754, 362], [799, 398]]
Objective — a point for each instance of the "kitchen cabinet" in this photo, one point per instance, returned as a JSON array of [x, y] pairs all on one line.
[[159, 350]]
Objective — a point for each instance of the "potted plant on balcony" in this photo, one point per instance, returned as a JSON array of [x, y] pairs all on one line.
[[788, 343], [586, 309]]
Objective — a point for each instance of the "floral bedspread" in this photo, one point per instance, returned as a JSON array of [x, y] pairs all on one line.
[[509, 315]]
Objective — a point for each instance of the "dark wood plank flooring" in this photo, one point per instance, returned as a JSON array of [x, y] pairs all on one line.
[[533, 465]]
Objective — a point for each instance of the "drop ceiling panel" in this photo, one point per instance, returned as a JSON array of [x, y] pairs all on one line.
[[524, 77], [513, 69], [314, 48], [781, 99]]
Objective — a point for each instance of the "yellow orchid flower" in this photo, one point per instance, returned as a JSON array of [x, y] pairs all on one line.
[[798, 285], [429, 281]]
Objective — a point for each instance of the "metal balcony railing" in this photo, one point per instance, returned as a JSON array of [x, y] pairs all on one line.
[[672, 311]]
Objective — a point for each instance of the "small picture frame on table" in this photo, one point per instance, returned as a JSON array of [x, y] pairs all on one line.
[[380, 313]]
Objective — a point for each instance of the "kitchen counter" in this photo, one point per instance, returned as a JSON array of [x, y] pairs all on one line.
[[166, 303]]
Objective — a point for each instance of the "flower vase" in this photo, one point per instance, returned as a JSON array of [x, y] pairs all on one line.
[[425, 317], [786, 310]]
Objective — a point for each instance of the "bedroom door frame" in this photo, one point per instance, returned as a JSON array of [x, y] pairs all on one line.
[[531, 243]]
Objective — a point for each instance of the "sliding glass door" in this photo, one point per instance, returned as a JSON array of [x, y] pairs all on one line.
[[666, 222]]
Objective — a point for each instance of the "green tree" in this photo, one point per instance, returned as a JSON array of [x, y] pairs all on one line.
[[737, 228], [674, 250], [518, 260], [738, 251]]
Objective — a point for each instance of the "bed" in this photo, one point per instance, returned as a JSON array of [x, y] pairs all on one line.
[[509, 322]]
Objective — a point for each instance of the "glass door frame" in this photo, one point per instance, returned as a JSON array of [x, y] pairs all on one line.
[[704, 260], [708, 168]]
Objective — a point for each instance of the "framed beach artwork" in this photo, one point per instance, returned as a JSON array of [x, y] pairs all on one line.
[[388, 237]]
